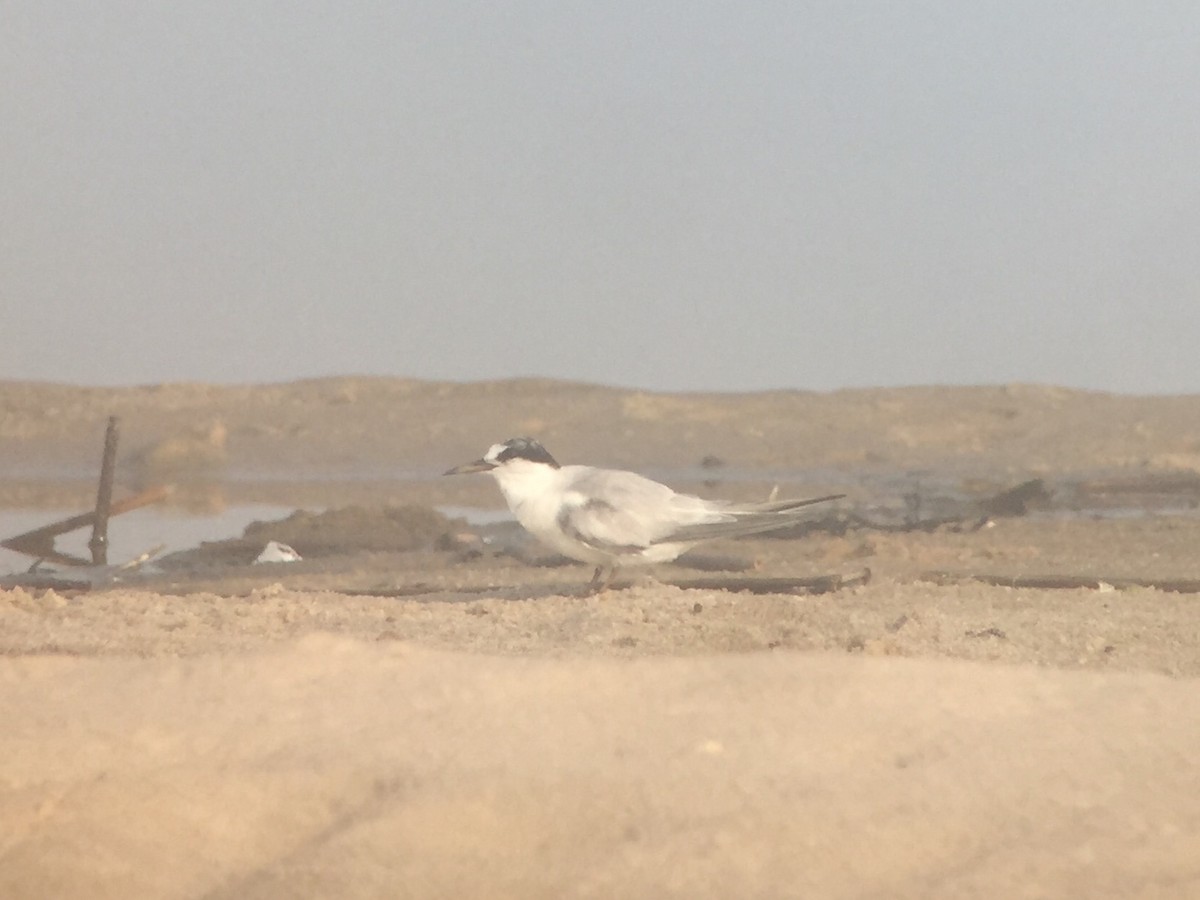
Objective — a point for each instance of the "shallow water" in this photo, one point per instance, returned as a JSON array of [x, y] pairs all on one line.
[[135, 532], [884, 497]]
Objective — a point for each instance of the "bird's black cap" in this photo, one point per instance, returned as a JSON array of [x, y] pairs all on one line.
[[525, 448]]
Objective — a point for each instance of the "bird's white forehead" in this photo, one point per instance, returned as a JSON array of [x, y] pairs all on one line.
[[494, 452]]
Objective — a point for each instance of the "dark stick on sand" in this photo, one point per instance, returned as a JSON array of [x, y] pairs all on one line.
[[1066, 582]]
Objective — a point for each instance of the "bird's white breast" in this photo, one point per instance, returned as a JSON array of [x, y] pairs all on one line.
[[536, 494]]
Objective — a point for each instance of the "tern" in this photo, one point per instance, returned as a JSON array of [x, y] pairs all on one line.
[[611, 518]]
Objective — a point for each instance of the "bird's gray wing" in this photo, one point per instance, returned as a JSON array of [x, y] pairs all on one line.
[[600, 526], [622, 512], [618, 512]]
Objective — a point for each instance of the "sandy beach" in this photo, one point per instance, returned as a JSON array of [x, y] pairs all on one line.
[[428, 716]]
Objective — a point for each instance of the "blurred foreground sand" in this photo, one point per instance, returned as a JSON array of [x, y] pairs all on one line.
[[336, 768]]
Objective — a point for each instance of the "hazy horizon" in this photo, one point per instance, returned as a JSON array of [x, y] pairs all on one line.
[[702, 198], [350, 376]]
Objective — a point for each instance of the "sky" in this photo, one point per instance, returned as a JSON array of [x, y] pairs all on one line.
[[672, 196]]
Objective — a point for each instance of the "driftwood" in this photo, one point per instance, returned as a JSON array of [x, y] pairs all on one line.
[[1016, 501], [1011, 502], [821, 584], [1066, 582], [40, 541], [99, 542], [78, 578]]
